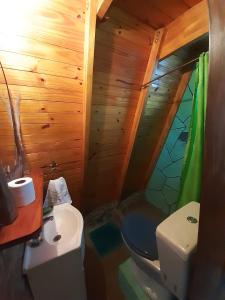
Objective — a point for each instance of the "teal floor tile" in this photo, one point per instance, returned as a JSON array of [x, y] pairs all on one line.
[[106, 238]]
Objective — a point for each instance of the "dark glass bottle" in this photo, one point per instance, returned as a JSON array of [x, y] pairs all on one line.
[[8, 210]]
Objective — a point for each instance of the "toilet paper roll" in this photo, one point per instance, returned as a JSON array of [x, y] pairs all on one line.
[[22, 190]]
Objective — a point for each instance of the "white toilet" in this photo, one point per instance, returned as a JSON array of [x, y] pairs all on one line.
[[54, 267], [163, 252]]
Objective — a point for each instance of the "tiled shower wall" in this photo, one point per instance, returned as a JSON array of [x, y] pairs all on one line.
[[163, 187]]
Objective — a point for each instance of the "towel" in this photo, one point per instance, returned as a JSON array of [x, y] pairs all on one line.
[[57, 193]]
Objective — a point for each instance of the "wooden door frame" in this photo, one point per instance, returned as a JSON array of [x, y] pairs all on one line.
[[208, 279]]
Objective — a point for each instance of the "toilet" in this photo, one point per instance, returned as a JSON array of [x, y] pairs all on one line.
[[163, 252]]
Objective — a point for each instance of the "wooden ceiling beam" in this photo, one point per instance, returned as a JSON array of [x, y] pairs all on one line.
[[152, 61], [103, 6], [188, 27], [89, 46]]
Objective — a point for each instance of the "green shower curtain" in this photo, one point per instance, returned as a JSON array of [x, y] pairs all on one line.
[[190, 185]]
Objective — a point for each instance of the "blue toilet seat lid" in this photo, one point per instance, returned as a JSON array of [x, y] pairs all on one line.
[[139, 232]]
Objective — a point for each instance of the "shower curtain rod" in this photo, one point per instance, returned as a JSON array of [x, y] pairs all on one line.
[[169, 72]]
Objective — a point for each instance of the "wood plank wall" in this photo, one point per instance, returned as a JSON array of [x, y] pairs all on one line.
[[121, 52], [41, 49]]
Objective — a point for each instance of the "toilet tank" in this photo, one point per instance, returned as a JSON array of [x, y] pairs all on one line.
[[176, 241]]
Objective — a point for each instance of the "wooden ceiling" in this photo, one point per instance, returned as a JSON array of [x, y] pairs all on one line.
[[156, 13]]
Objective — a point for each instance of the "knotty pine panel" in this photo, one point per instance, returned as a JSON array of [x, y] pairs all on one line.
[[116, 91], [38, 65], [66, 142], [128, 19], [120, 60], [42, 56], [120, 45], [61, 156], [31, 106], [51, 130], [16, 77], [41, 94], [114, 100], [37, 49], [49, 23], [121, 52], [52, 118]]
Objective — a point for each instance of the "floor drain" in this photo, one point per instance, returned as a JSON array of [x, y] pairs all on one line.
[[57, 238]]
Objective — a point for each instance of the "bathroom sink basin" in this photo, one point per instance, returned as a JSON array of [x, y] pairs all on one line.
[[62, 232]]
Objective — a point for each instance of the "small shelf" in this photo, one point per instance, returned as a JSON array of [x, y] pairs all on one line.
[[29, 219]]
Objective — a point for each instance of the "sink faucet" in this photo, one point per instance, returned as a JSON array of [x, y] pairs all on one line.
[[46, 219]]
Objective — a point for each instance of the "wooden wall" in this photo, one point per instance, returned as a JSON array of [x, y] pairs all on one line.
[[41, 49], [121, 52], [44, 64]]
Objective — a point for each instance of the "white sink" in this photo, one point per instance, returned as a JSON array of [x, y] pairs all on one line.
[[60, 235], [55, 267], [67, 223]]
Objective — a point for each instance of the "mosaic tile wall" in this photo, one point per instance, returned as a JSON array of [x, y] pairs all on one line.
[[163, 187]]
